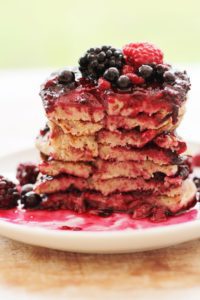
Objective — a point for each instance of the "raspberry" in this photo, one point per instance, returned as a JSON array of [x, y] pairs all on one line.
[[127, 69], [8, 193], [103, 84], [138, 54], [135, 79], [27, 173]]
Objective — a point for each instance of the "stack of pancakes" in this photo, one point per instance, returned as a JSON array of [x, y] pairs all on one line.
[[111, 151]]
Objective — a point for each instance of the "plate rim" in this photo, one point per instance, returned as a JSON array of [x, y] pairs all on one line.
[[100, 232]]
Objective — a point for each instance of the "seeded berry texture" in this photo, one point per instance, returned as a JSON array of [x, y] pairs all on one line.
[[138, 54], [27, 173], [8, 193], [97, 60]]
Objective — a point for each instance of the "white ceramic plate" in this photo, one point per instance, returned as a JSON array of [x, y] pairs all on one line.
[[117, 241]]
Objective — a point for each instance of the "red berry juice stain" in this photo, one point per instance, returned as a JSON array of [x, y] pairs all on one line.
[[196, 160], [66, 220]]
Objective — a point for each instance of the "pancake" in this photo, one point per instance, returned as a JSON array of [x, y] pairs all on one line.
[[139, 204], [48, 184], [64, 154], [122, 184], [144, 120], [56, 167], [133, 137], [131, 169], [67, 147], [79, 128], [153, 153], [168, 186], [146, 101], [75, 105], [169, 140]]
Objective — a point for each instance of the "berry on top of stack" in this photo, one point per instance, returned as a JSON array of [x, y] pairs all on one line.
[[110, 143]]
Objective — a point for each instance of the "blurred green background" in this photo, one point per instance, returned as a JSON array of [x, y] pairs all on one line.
[[45, 33]]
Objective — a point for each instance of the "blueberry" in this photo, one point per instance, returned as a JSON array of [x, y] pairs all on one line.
[[169, 76], [31, 200], [197, 182], [160, 69], [145, 71], [66, 77], [112, 74], [184, 171], [123, 82], [159, 176], [26, 188]]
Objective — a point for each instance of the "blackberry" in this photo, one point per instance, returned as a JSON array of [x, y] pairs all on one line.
[[31, 200], [27, 173], [97, 60], [8, 193]]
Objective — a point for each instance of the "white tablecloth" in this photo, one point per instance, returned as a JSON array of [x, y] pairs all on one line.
[[22, 115]]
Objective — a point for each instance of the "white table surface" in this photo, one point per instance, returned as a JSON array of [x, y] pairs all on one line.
[[22, 115]]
